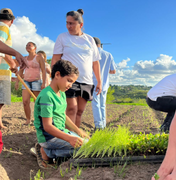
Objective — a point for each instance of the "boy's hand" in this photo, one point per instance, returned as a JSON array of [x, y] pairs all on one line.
[[75, 141], [83, 134]]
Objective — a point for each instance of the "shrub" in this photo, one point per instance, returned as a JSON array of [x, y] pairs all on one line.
[[18, 92]]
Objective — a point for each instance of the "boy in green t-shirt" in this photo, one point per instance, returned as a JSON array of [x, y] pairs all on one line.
[[50, 119]]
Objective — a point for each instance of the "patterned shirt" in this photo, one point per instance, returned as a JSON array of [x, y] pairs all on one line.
[[5, 73]]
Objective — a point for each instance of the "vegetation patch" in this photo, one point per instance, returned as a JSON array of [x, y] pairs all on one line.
[[114, 143]]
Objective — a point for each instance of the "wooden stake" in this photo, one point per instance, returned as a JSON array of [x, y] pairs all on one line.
[[21, 80]]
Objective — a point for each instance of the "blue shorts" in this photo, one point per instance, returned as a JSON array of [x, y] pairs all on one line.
[[34, 85]]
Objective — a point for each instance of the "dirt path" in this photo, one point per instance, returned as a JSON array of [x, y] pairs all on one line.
[[18, 139]]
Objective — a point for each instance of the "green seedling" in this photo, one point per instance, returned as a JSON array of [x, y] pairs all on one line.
[[71, 166], [61, 172], [80, 172], [75, 177], [156, 176], [66, 170], [38, 176], [103, 143]]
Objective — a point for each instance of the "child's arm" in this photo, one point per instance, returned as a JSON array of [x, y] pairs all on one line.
[[49, 128], [73, 127], [48, 69], [42, 67]]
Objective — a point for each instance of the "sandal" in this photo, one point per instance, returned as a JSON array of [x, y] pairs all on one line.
[[40, 160]]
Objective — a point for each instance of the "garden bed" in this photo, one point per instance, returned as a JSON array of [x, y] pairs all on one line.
[[118, 146]]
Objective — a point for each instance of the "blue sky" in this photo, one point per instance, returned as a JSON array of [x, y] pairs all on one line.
[[141, 33]]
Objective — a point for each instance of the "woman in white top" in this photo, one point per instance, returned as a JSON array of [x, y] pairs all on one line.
[[80, 49]]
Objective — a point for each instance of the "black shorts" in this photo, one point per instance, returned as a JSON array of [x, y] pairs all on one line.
[[80, 89]]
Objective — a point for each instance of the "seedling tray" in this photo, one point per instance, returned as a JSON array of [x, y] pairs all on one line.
[[89, 162]]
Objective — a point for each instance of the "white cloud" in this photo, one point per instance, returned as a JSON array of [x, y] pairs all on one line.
[[23, 31], [145, 72], [123, 64]]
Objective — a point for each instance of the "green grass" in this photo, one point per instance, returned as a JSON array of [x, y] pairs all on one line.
[[135, 104], [15, 98], [18, 99]]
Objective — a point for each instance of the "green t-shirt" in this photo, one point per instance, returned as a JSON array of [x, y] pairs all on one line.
[[49, 104]]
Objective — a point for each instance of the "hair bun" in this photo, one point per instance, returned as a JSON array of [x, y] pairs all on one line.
[[80, 11]]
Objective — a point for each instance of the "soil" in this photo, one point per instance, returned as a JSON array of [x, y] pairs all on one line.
[[16, 162]]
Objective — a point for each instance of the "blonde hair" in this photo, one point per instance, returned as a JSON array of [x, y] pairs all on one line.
[[44, 55]]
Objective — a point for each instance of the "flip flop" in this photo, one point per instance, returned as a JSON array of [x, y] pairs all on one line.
[[33, 151]]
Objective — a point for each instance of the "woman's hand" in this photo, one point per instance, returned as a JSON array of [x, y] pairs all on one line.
[[75, 141], [42, 86]]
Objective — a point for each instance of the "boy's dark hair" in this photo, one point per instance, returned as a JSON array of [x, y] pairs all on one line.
[[6, 14], [65, 68]]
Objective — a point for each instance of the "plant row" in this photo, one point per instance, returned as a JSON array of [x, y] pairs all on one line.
[[120, 142]]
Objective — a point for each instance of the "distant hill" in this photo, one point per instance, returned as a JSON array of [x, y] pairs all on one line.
[[128, 91]]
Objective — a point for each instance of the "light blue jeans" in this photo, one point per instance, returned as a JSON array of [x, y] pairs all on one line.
[[56, 147], [34, 85], [99, 109]]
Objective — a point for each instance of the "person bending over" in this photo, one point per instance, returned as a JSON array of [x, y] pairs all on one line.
[[162, 97], [50, 118]]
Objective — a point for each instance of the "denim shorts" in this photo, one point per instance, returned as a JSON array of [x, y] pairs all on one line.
[[34, 85]]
